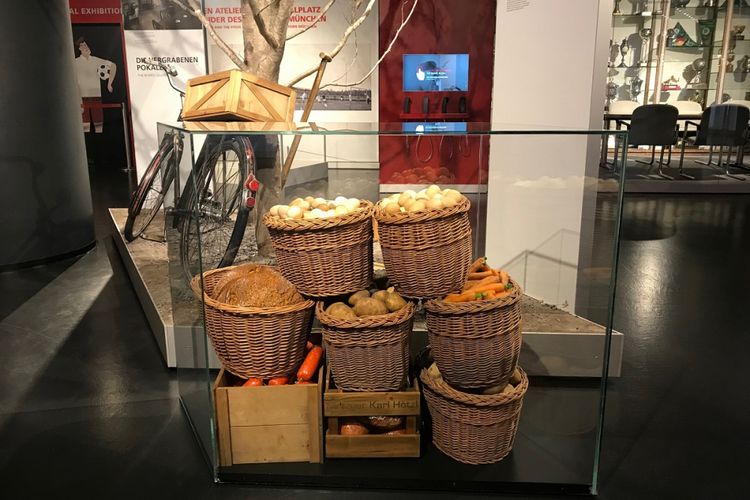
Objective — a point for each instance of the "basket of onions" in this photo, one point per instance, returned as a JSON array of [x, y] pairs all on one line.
[[426, 241], [323, 246]]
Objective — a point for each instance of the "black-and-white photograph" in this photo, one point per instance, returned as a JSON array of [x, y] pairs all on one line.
[[157, 15]]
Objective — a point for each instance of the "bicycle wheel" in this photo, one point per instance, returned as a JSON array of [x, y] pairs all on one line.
[[149, 195], [216, 211]]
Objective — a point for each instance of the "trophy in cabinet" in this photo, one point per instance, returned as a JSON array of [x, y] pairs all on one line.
[[697, 97], [645, 35], [624, 49], [706, 31], [636, 85], [617, 11], [611, 91], [641, 7], [709, 3], [737, 31], [730, 62], [670, 37], [744, 64], [680, 3], [696, 68]]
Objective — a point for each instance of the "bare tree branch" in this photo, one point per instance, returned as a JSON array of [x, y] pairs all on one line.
[[195, 10], [385, 53], [315, 21], [262, 28], [342, 42]]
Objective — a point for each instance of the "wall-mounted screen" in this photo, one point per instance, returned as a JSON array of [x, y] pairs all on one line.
[[434, 127], [436, 72]]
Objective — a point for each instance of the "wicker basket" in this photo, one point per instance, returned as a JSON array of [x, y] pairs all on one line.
[[252, 341], [369, 353], [476, 344], [473, 428], [428, 253], [325, 257]]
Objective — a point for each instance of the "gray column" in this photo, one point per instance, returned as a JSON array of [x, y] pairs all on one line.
[[45, 198]]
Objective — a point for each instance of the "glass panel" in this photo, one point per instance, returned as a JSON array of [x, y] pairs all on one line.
[[545, 206]]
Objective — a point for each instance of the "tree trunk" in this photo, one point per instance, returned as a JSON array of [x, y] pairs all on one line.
[[264, 27]]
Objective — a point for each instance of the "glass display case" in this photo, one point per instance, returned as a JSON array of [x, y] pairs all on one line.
[[541, 208], [689, 65]]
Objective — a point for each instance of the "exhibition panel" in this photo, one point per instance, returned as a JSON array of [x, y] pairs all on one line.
[[428, 333]]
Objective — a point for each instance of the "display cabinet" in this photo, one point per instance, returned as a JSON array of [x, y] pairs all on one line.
[[536, 204], [690, 64]]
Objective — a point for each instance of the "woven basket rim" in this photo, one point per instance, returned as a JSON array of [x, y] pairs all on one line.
[[364, 212], [195, 284], [390, 319], [421, 216], [441, 387], [439, 306]]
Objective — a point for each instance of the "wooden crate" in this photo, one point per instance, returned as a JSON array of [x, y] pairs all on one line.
[[268, 424], [237, 96], [338, 404]]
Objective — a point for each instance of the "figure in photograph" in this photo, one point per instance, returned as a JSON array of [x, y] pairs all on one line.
[[90, 71]]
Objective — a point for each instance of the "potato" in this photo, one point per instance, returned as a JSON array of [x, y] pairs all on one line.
[[309, 199], [308, 215], [408, 203], [381, 295], [434, 372], [433, 190], [275, 210], [355, 297], [508, 389], [392, 208], [283, 210], [330, 213], [495, 389], [411, 193], [434, 204], [367, 306], [341, 310], [295, 202], [515, 379], [450, 200], [352, 204], [317, 202], [393, 301], [299, 202], [351, 427], [318, 213], [403, 199], [294, 212], [417, 206], [341, 210], [339, 200]]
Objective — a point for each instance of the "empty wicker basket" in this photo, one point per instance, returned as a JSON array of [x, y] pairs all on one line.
[[476, 344], [473, 428], [428, 253], [369, 353], [252, 341], [325, 257]]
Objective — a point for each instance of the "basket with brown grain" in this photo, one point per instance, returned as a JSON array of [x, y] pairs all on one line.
[[426, 241], [324, 253], [256, 320], [474, 428], [367, 345], [475, 335]]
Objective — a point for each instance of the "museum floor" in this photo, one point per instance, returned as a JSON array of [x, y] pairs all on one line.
[[87, 408]]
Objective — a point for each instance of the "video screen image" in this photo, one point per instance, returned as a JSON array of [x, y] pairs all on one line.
[[436, 72], [434, 127]]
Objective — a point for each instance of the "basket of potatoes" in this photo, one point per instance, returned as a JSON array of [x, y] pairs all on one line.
[[323, 246], [367, 340], [426, 241], [474, 427]]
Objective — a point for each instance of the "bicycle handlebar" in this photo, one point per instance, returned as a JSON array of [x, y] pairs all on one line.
[[170, 72]]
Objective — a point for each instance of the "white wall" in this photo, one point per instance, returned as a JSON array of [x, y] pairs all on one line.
[[548, 74]]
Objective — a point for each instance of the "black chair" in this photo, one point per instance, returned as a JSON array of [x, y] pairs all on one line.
[[653, 125], [722, 125]]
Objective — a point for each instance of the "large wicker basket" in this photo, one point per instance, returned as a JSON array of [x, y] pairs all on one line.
[[473, 428], [325, 257], [369, 353], [428, 253], [252, 341], [476, 344]]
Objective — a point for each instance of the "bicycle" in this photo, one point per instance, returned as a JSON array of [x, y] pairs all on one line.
[[212, 211]]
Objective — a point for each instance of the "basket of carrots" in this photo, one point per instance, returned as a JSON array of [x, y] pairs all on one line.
[[425, 238], [475, 335]]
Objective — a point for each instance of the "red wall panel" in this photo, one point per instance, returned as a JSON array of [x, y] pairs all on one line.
[[437, 27]]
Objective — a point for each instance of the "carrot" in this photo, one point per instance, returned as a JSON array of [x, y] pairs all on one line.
[[477, 264], [489, 295], [485, 281], [504, 278], [467, 296], [493, 287], [480, 276], [310, 365], [279, 381], [252, 382]]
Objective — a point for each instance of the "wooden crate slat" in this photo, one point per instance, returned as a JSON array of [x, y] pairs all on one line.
[[271, 443], [274, 114], [372, 445], [208, 95]]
